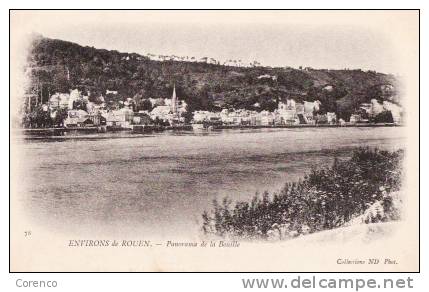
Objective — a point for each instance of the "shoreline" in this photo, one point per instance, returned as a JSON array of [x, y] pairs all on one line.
[[186, 127], [223, 127], [94, 133]]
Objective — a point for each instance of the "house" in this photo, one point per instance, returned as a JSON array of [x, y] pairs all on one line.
[[329, 88], [224, 116], [129, 103], [290, 104], [309, 118], [141, 118], [156, 102], [301, 119], [311, 106], [120, 118], [255, 119], [281, 106], [75, 95], [213, 120], [267, 76], [376, 107], [288, 117], [113, 120], [85, 122], [267, 118], [201, 116], [395, 109], [76, 118], [97, 119], [287, 112], [321, 119], [355, 118], [277, 118], [161, 112], [332, 118], [367, 107], [59, 100], [299, 107]]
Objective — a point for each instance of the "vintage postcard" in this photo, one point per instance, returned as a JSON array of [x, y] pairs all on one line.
[[184, 141]]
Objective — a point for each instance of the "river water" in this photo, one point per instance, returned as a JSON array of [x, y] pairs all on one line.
[[160, 184]]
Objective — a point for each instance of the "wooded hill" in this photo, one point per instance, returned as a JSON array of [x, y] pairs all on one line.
[[58, 66]]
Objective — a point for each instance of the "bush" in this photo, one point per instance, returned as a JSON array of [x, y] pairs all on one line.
[[383, 117], [326, 198]]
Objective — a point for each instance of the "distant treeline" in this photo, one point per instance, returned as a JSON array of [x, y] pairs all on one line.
[[325, 199], [58, 66]]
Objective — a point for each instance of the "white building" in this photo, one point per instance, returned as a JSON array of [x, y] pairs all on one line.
[[290, 104], [119, 118], [203, 116], [75, 118], [312, 106], [328, 88], [332, 118], [376, 107], [74, 95], [267, 118], [355, 119], [395, 109], [59, 100], [281, 106], [289, 117], [287, 112], [309, 118], [156, 102], [267, 76]]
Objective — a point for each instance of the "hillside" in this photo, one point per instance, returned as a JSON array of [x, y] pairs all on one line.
[[58, 66]]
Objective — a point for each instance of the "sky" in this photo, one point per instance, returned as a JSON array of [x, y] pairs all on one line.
[[318, 39]]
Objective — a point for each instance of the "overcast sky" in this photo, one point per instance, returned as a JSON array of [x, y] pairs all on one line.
[[332, 40]]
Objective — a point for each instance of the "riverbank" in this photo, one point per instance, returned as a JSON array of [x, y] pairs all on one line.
[[139, 129], [224, 127]]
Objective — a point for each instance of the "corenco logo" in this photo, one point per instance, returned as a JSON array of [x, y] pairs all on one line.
[[35, 284]]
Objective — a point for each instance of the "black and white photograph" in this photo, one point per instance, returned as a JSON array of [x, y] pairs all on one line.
[[220, 141]]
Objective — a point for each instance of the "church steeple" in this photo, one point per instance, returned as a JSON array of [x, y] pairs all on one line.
[[174, 101]]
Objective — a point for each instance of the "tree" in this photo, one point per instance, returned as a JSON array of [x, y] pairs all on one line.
[[144, 105], [326, 198], [58, 66], [79, 104], [39, 118], [383, 117], [60, 116]]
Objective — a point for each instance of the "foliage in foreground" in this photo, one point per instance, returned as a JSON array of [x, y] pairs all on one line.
[[326, 198]]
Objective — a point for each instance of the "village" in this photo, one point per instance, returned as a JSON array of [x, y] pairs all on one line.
[[74, 110]]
